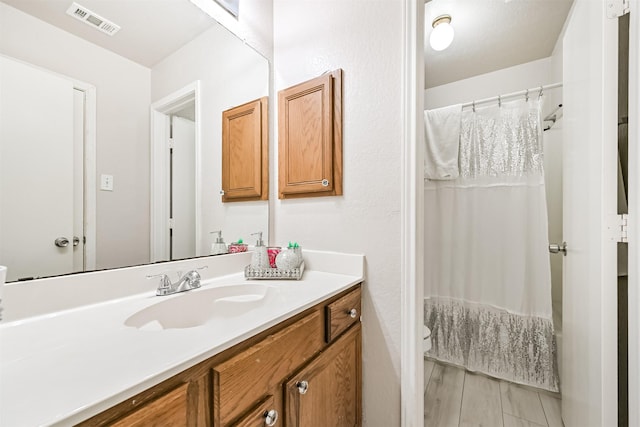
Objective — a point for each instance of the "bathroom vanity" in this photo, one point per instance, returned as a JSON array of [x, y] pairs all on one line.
[[234, 352], [305, 364]]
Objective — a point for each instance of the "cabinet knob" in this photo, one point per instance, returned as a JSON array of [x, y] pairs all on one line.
[[270, 417], [303, 386], [353, 313]]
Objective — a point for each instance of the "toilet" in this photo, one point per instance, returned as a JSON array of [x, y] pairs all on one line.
[[426, 339]]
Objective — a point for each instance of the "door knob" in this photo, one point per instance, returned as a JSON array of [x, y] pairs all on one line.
[[76, 240], [555, 248], [61, 242]]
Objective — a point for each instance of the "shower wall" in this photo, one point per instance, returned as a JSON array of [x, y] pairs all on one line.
[[531, 74]]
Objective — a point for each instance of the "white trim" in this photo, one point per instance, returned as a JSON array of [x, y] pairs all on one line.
[[634, 214], [158, 236], [90, 170], [412, 238], [198, 171], [159, 239]]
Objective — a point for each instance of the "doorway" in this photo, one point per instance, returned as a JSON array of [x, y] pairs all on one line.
[[600, 389], [175, 175]]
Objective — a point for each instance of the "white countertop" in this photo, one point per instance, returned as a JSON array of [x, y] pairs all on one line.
[[63, 367]]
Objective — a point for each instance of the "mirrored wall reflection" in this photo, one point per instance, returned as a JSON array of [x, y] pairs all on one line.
[[232, 6], [75, 164]]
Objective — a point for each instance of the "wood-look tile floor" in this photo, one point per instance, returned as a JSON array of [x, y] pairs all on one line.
[[456, 398]]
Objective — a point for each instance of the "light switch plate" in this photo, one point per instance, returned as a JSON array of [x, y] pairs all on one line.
[[106, 182]]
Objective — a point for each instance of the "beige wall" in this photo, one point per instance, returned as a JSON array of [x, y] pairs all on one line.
[[365, 40], [122, 127]]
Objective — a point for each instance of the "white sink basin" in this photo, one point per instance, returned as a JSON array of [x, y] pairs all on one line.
[[197, 307]]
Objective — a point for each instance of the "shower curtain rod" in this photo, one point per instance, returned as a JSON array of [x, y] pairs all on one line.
[[532, 92]]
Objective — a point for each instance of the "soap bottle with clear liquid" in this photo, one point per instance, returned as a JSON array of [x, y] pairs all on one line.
[[219, 247]]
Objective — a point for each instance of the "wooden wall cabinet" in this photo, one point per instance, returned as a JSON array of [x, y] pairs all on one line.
[[310, 138], [245, 152], [303, 372]]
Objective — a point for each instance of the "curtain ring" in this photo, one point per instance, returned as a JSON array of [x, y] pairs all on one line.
[[540, 94], [499, 101], [527, 96], [473, 106]]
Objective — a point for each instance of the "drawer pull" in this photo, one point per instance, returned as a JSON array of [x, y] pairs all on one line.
[[353, 313], [270, 417], [303, 386]]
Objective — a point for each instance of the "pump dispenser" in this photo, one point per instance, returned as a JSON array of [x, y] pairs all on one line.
[[219, 247], [260, 257]]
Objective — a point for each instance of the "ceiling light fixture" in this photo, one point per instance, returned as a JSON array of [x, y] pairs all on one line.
[[442, 33]]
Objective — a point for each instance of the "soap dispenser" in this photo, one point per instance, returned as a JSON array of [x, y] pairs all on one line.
[[219, 247], [260, 257]]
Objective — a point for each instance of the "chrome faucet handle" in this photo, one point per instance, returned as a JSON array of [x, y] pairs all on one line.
[[189, 271], [165, 285]]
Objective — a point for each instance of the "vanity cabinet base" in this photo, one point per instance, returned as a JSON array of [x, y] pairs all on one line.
[[289, 375]]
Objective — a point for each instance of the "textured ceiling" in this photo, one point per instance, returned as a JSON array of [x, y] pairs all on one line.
[[491, 35], [150, 30]]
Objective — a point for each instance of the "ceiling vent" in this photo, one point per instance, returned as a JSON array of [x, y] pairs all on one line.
[[92, 19]]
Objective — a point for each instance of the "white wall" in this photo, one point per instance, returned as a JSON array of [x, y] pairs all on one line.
[[365, 40], [532, 74], [512, 79], [122, 127], [230, 74]]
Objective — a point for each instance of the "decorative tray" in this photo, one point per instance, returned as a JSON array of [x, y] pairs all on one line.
[[274, 273]]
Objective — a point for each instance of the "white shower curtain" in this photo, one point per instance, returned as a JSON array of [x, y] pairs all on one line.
[[487, 275]]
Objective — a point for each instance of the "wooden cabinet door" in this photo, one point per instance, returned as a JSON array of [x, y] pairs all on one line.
[[327, 391], [310, 138], [245, 155]]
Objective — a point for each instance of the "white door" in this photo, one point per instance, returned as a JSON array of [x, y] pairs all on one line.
[[36, 171], [183, 191], [589, 353]]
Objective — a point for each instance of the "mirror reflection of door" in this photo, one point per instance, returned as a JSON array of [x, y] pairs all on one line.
[[37, 233], [182, 233]]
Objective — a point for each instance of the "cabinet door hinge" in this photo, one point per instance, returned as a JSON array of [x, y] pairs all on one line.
[[617, 8], [617, 228], [172, 223], [171, 144]]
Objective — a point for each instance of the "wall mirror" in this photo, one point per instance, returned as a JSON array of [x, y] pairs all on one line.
[[89, 91]]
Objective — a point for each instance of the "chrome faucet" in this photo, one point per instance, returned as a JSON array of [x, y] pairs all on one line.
[[190, 280]]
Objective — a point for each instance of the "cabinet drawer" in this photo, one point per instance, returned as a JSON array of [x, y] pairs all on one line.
[[342, 313], [262, 414], [170, 409], [248, 376]]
